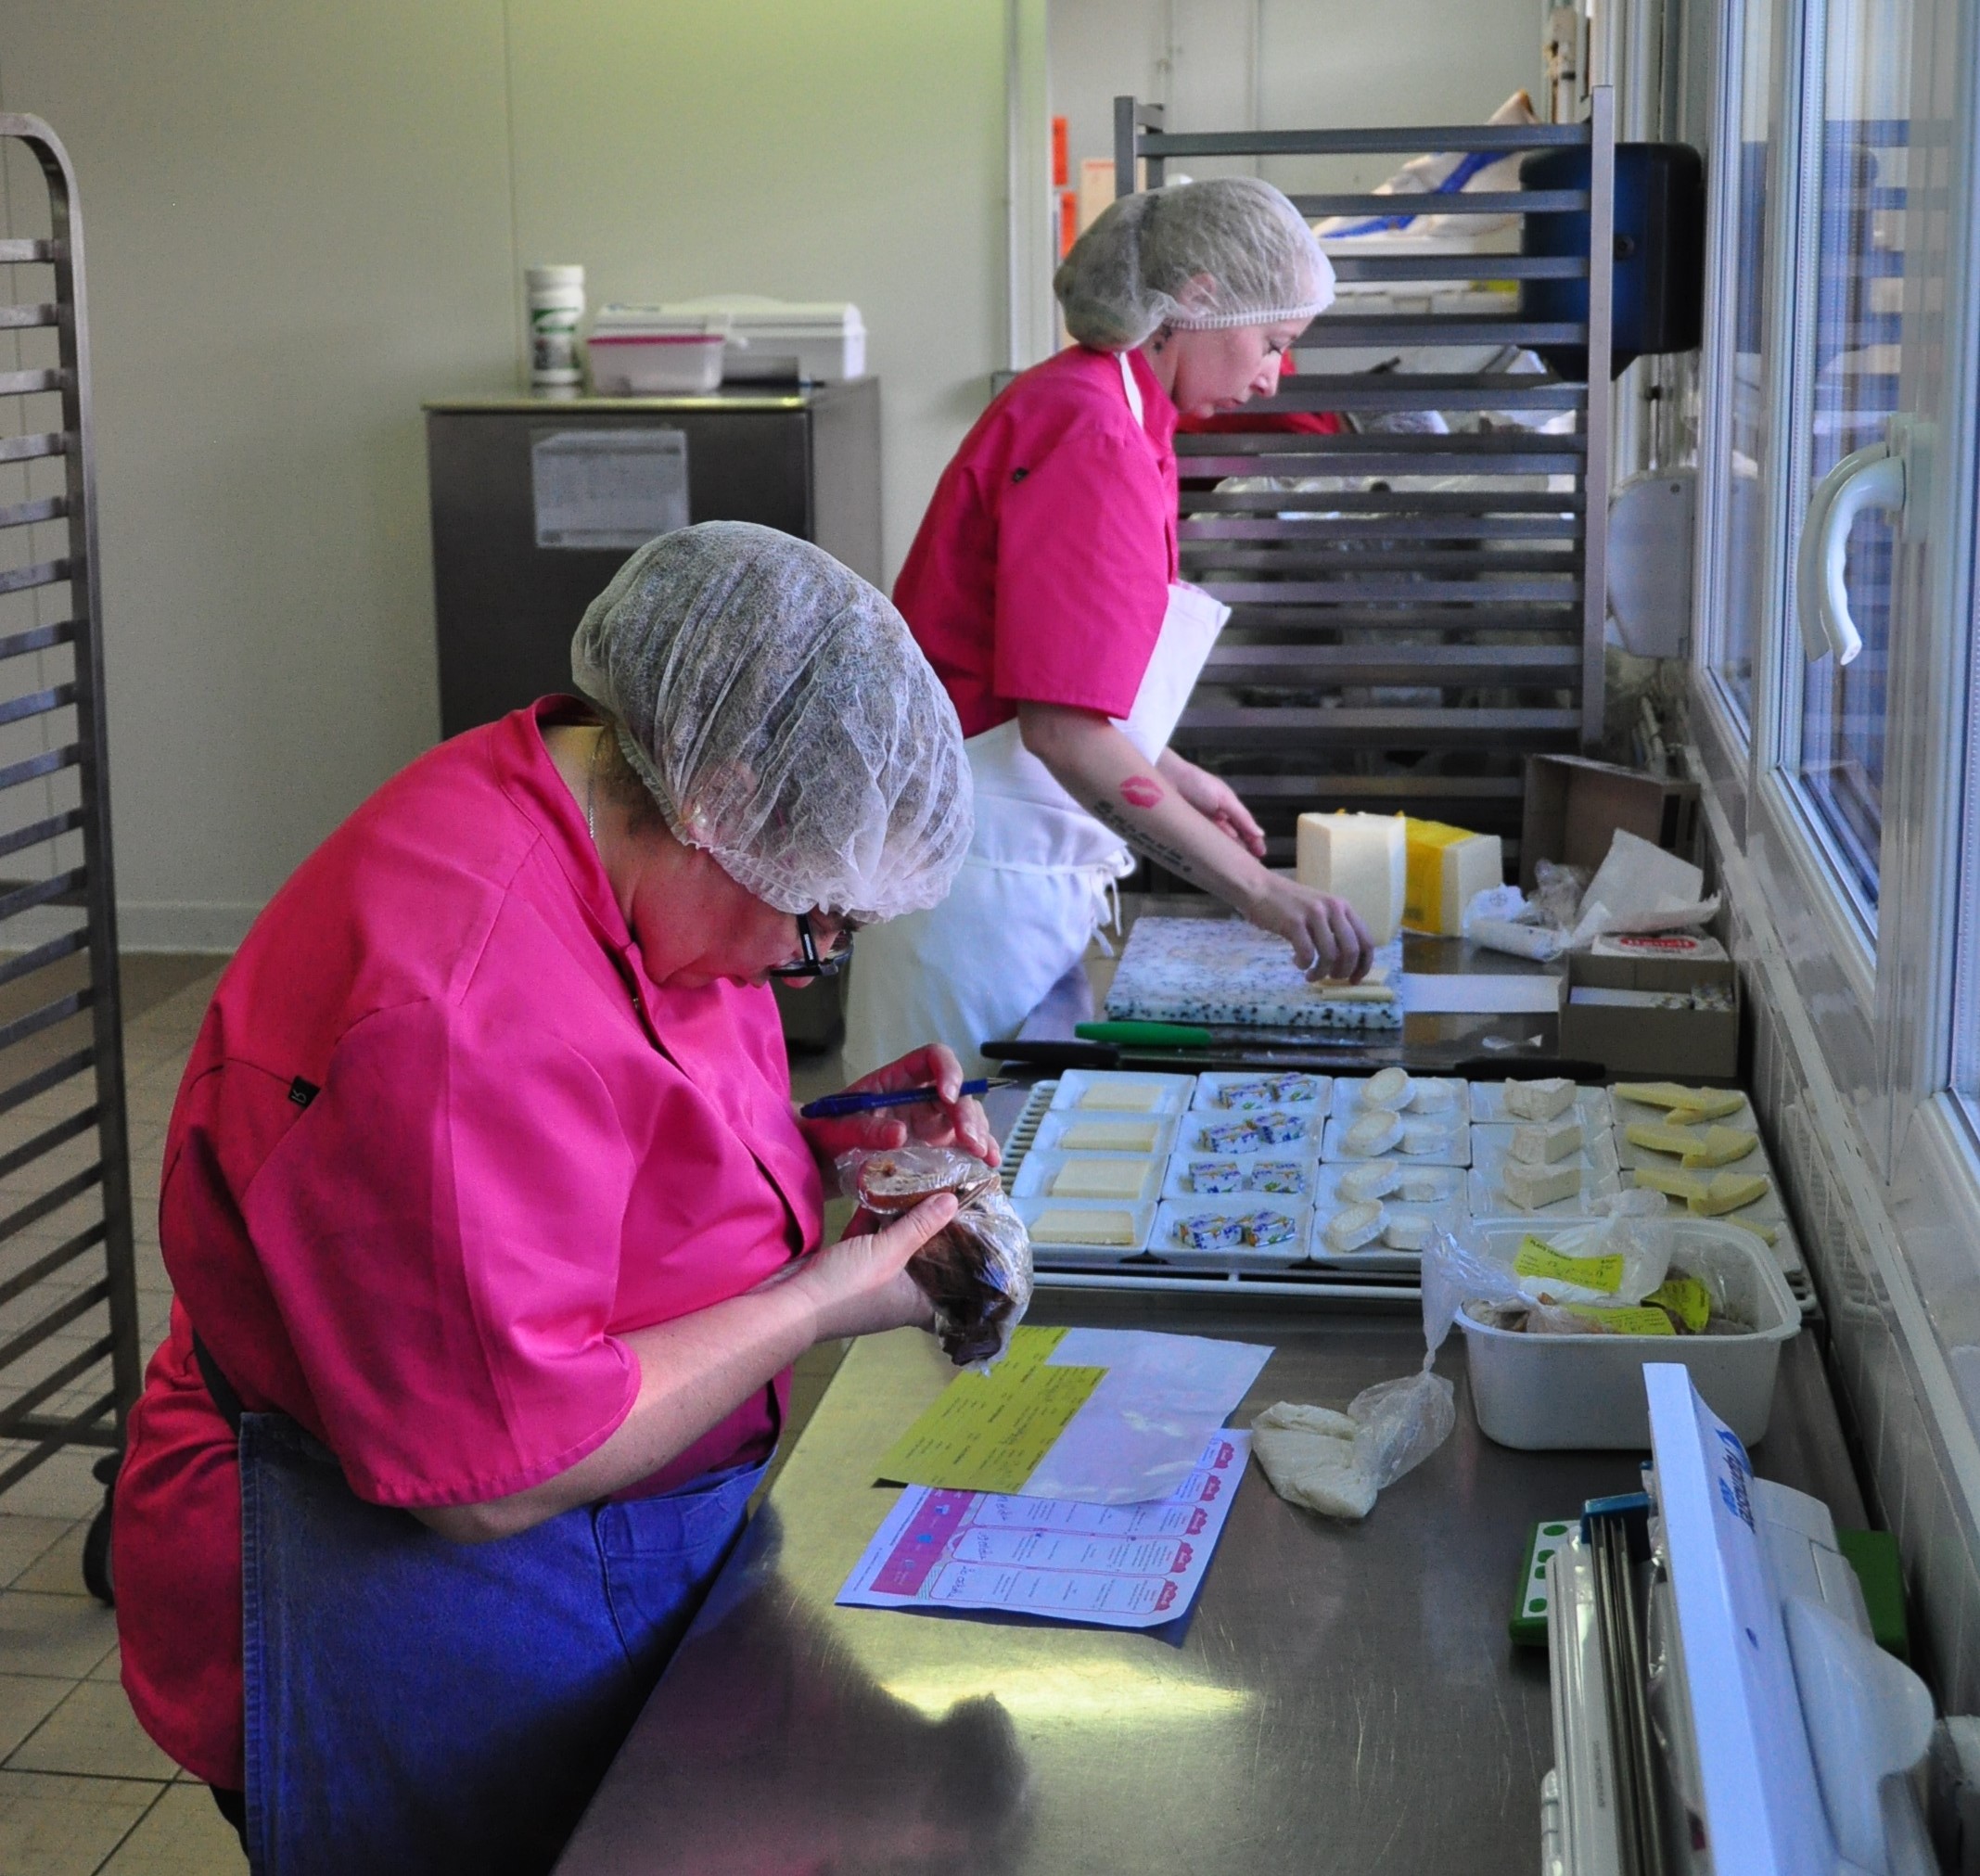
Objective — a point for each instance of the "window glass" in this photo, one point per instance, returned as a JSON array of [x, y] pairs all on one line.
[[1851, 386], [1744, 596]]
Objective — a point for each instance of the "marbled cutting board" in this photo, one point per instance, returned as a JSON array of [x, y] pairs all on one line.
[[1214, 970]]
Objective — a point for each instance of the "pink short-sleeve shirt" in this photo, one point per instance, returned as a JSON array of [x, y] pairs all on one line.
[[1040, 572], [440, 1144]]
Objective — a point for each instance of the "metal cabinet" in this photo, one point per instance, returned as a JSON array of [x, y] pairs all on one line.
[[802, 459]]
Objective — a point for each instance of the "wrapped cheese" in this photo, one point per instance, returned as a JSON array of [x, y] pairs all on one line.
[[1359, 858], [1445, 869]]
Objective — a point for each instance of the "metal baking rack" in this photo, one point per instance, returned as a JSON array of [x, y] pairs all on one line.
[[1396, 647], [69, 1324]]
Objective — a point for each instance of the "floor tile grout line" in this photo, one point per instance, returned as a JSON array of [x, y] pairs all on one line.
[[158, 1799]]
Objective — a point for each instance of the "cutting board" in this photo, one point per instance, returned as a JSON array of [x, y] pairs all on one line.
[[1213, 970]]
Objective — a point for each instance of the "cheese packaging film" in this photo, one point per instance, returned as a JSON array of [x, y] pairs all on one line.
[[1361, 858], [1445, 869]]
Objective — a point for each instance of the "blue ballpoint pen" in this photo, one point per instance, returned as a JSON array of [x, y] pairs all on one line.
[[833, 1106]]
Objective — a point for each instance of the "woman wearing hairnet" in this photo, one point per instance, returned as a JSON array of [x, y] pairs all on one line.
[[1043, 587], [492, 1229]]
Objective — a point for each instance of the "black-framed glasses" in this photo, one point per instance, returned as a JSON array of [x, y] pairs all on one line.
[[809, 963]]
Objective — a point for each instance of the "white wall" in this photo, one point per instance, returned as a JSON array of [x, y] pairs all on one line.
[[1320, 63], [303, 219]]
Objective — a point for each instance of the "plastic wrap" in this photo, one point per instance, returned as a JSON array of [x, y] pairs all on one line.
[[976, 1270]]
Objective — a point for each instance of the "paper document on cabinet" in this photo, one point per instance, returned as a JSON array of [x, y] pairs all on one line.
[[1104, 1416], [1122, 1567]]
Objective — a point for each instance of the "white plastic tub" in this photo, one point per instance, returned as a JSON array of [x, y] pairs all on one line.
[[1542, 1392], [655, 351]]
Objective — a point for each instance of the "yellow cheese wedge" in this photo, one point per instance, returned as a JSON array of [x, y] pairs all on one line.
[[1659, 1137], [1668, 1180], [1083, 1228], [1704, 1104], [1101, 1178], [1721, 1146], [1767, 1234], [1727, 1193], [1355, 857]]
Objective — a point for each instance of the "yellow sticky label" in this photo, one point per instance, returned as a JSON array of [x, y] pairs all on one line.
[[987, 1433], [1539, 1259], [1641, 1319], [1687, 1299]]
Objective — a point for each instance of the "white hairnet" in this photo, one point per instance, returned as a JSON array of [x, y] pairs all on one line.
[[1231, 252], [783, 718]]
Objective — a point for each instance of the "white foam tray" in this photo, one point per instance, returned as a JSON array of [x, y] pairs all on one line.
[[1209, 1088], [1175, 1182], [1077, 1084], [1306, 1147], [1487, 1105], [1164, 1243], [1042, 1165], [1455, 1150], [1347, 1104], [1053, 1129], [1030, 1209]]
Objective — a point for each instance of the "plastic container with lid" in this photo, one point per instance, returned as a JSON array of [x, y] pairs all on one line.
[[655, 350], [769, 341], [556, 305]]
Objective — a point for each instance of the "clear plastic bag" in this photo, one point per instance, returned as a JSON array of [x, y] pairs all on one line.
[[1557, 893], [976, 1270]]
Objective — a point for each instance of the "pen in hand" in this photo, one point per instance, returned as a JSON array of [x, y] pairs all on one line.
[[832, 1106]]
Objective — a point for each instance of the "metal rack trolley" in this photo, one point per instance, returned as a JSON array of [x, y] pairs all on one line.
[[1353, 606], [67, 1290]]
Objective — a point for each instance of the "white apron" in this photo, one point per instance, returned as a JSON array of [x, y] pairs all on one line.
[[1037, 881]]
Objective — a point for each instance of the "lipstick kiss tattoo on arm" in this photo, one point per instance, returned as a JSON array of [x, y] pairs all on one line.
[[1140, 791]]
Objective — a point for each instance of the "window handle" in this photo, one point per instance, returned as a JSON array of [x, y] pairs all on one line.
[[1869, 478]]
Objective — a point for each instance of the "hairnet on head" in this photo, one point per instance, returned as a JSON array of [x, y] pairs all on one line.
[[1233, 252], [783, 720]]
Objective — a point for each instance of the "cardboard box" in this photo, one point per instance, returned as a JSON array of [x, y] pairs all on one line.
[[1633, 1040], [1573, 807]]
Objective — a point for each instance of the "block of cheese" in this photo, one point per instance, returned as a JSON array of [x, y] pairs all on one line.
[[1101, 1178], [1109, 1136], [1445, 869], [1540, 1143], [1728, 1192], [1767, 1234], [1721, 1146], [1540, 1100], [1371, 1134], [1530, 1187], [1083, 1228], [1359, 858], [1370, 1179], [1389, 1088], [1702, 1103], [1123, 1097]]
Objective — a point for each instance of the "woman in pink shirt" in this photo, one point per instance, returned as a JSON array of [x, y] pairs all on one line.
[[1043, 587], [493, 1233]]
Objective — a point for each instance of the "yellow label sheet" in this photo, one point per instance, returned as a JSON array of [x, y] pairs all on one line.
[[1537, 1258], [987, 1433]]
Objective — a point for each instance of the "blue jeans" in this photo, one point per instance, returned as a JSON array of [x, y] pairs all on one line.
[[414, 1705]]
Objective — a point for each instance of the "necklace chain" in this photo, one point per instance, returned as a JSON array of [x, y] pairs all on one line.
[[591, 789]]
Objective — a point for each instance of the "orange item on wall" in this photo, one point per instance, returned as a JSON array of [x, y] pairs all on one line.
[[1069, 221], [1060, 175]]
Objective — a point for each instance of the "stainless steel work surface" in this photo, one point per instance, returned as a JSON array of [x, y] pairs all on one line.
[[1343, 1698]]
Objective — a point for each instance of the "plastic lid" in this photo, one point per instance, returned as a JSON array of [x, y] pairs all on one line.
[[554, 277], [667, 319], [756, 312]]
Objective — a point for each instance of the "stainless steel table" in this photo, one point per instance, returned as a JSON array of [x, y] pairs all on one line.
[[1344, 1697]]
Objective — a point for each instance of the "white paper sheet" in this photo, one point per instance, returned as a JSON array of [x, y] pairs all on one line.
[[1121, 1566], [1467, 993], [1143, 1428]]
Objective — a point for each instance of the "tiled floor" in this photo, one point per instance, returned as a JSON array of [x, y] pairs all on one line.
[[82, 1789]]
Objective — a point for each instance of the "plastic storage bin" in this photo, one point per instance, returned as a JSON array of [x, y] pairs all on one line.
[[655, 350], [1540, 1392], [783, 341]]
